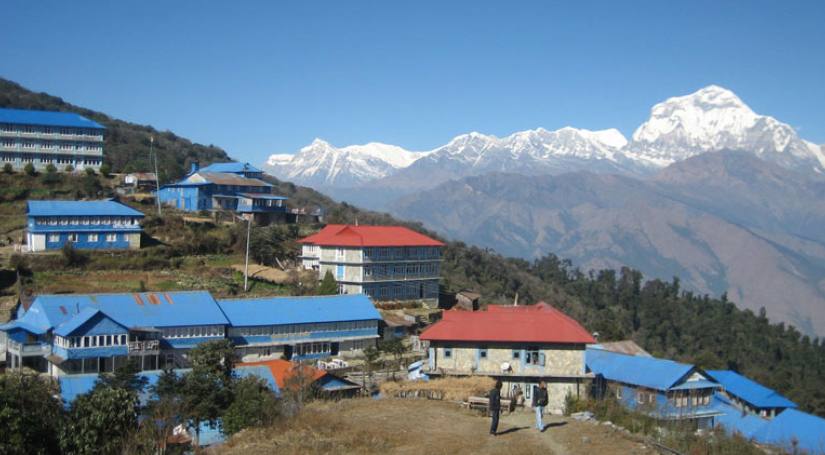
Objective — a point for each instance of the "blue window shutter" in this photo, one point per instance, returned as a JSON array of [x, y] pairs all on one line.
[[541, 359]]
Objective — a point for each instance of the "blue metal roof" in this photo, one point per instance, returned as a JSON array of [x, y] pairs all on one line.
[[298, 310], [80, 208], [150, 309], [231, 167], [24, 325], [79, 319], [46, 118], [734, 420], [261, 371], [792, 425], [751, 391], [659, 374]]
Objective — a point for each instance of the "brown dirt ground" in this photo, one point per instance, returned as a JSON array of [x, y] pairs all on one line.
[[365, 426]]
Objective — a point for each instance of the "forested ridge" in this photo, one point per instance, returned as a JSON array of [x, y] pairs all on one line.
[[127, 145]]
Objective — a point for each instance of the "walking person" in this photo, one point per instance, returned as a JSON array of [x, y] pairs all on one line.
[[495, 406], [539, 402]]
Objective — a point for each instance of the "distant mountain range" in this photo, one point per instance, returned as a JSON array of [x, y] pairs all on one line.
[[712, 119], [707, 190]]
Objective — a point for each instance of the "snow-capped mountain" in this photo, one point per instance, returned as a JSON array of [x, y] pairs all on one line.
[[322, 164], [712, 119], [715, 119]]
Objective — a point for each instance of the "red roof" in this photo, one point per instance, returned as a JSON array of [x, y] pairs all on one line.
[[540, 323], [282, 370], [349, 235]]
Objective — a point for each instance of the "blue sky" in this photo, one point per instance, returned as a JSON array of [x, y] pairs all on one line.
[[262, 77]]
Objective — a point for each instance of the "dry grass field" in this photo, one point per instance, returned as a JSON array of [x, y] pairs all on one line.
[[398, 426]]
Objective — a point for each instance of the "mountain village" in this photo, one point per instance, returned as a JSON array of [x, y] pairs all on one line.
[[386, 292]]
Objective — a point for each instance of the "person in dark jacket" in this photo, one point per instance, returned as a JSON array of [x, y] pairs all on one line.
[[495, 406], [539, 402]]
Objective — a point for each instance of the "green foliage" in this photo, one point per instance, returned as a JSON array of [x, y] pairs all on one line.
[[396, 348], [125, 377], [8, 168], [29, 169], [271, 242], [126, 144], [254, 405], [105, 170], [30, 415], [100, 422], [328, 285], [207, 391], [90, 171], [68, 168], [72, 257], [51, 177], [50, 168]]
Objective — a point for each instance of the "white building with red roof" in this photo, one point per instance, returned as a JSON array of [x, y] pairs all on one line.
[[388, 263], [521, 345]]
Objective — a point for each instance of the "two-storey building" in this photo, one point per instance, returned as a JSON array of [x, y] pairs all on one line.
[[41, 138], [388, 263], [95, 333], [301, 328], [233, 191], [661, 388], [105, 224], [521, 345]]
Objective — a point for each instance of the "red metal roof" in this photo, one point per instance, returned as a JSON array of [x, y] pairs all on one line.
[[539, 323], [349, 235]]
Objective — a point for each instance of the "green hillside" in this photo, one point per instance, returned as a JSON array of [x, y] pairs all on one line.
[[127, 145]]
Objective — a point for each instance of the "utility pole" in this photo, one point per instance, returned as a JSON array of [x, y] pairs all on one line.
[[246, 263], [157, 176]]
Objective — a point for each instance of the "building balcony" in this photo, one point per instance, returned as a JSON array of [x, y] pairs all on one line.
[[50, 151], [390, 279], [53, 136], [144, 347], [28, 349], [525, 373]]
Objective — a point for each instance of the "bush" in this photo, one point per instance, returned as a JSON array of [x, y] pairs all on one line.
[[51, 177], [29, 169], [30, 415], [8, 168], [105, 170], [69, 168], [90, 171], [50, 168], [72, 257]]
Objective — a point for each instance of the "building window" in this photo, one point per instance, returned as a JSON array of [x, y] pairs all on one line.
[[92, 237], [516, 354], [72, 237], [54, 238], [534, 356], [111, 238], [482, 353], [448, 353]]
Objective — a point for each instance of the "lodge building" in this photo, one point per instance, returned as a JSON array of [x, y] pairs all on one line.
[[103, 224], [41, 138]]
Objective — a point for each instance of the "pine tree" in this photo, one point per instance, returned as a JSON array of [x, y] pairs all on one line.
[[328, 285]]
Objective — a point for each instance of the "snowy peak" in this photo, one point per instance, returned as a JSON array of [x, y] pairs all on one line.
[[321, 163], [715, 119]]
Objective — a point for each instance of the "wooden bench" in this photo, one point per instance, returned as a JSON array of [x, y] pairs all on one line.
[[483, 404]]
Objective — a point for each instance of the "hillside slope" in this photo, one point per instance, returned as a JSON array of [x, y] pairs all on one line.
[[126, 146]]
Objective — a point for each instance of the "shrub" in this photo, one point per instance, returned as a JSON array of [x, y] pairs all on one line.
[[72, 257], [69, 168], [29, 169], [50, 168], [90, 171], [8, 168], [105, 170]]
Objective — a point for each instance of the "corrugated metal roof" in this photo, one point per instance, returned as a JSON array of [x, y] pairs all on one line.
[[734, 420], [650, 372], [260, 371], [80, 208], [225, 178], [46, 118], [173, 309], [792, 425], [361, 236], [540, 323], [751, 391], [298, 310], [232, 167], [79, 319]]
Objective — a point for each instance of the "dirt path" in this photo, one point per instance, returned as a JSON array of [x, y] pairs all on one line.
[[367, 426]]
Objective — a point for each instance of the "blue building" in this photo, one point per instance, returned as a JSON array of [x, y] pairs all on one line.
[[94, 333], [106, 224], [663, 389], [301, 327], [229, 189], [750, 396], [794, 432], [41, 138]]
